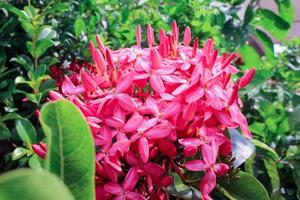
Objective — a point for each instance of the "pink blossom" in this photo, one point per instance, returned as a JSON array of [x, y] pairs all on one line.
[[150, 109]]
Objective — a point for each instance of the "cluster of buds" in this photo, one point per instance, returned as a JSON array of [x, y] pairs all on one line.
[[157, 110]]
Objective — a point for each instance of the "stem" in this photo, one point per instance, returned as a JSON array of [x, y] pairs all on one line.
[[226, 194], [29, 2]]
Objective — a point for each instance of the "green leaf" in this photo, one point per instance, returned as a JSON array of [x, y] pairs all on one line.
[[70, 147], [42, 46], [250, 56], [4, 133], [272, 23], [29, 46], [35, 98], [246, 186], [79, 27], [271, 168], [258, 129], [26, 131], [24, 61], [267, 44], [35, 162], [39, 72], [265, 149], [179, 189], [18, 153], [56, 9], [28, 27], [249, 14], [14, 10], [46, 32], [31, 184], [286, 10]]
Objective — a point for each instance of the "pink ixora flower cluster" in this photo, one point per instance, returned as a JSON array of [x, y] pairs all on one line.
[[151, 109]]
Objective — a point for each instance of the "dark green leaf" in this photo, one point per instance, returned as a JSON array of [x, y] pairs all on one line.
[[271, 168], [267, 44], [42, 46], [4, 133], [56, 9], [245, 187], [10, 116], [26, 131], [31, 184], [286, 10], [264, 149], [24, 61], [14, 10], [272, 23], [70, 147]]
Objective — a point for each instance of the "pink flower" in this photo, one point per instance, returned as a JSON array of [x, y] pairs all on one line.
[[208, 164], [150, 109]]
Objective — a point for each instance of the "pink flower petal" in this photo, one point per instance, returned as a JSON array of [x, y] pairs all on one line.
[[196, 165], [208, 182], [113, 188], [159, 131], [157, 84], [126, 102], [143, 149], [131, 179]]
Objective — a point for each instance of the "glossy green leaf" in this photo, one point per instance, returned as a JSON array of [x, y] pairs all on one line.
[[24, 61], [14, 10], [79, 27], [245, 187], [46, 32], [265, 149], [10, 116], [70, 147], [34, 185], [26, 131], [272, 23], [272, 172], [42, 46], [19, 152]]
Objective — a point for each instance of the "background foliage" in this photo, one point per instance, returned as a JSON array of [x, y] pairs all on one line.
[[40, 39]]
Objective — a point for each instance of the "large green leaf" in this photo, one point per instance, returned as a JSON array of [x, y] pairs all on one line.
[[246, 187], [70, 147], [272, 23], [32, 185]]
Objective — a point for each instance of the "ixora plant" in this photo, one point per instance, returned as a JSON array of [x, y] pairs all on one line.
[[160, 119]]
